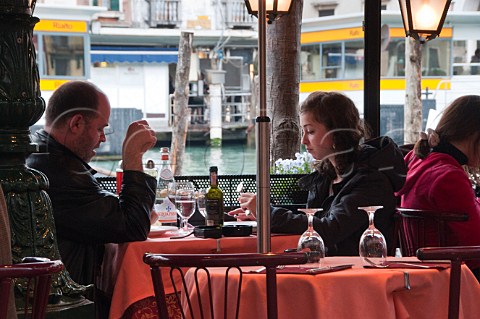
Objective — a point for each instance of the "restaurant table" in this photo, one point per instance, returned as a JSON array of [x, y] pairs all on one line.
[[351, 293], [127, 278]]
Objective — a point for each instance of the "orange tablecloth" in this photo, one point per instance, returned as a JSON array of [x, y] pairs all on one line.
[[352, 293], [123, 263]]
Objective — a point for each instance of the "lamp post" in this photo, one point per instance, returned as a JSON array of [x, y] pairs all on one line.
[[423, 19], [262, 9], [29, 207]]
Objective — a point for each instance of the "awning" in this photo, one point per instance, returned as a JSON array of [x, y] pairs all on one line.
[[113, 54]]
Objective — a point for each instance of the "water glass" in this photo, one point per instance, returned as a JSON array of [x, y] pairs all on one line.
[[201, 203], [185, 203]]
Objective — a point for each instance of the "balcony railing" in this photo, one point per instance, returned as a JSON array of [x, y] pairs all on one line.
[[235, 110], [164, 13], [237, 16]]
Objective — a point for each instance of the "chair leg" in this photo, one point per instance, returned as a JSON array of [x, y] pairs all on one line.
[[5, 286], [454, 294], [272, 311]]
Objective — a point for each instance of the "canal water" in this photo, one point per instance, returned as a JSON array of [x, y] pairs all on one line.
[[231, 159]]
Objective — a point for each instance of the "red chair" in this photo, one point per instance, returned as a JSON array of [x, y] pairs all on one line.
[[417, 228], [230, 261], [456, 255], [40, 271]]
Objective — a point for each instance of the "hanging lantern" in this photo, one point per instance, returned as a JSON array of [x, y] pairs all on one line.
[[423, 19], [274, 8]]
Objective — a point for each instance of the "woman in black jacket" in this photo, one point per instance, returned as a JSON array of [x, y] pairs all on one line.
[[348, 175]]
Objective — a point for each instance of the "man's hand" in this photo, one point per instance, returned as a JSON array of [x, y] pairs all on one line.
[[139, 138], [248, 206], [154, 216]]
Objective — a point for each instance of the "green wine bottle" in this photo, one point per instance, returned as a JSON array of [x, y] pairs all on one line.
[[214, 200]]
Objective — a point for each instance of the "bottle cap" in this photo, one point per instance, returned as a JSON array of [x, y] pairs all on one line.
[[213, 169], [164, 153]]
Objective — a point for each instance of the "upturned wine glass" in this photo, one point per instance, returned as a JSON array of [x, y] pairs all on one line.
[[372, 246], [311, 242]]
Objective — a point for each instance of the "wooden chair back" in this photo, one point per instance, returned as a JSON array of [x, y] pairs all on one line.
[[178, 263], [405, 148], [417, 228], [456, 255], [40, 272]]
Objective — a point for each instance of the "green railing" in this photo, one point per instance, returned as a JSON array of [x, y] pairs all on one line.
[[284, 190]]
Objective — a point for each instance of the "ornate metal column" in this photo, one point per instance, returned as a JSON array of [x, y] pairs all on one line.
[[30, 210]]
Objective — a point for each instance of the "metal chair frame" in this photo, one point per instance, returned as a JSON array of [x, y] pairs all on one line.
[[457, 255], [41, 272], [410, 227], [202, 262]]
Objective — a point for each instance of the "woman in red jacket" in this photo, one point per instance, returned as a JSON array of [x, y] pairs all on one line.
[[436, 179]]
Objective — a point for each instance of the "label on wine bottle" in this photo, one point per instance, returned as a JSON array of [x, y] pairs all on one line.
[[214, 208]]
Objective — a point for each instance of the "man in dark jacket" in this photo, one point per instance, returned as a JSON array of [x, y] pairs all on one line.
[[86, 216]]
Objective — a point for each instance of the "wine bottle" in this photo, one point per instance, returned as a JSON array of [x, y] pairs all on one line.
[[214, 200]]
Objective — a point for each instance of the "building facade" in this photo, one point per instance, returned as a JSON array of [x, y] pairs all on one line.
[[129, 48]]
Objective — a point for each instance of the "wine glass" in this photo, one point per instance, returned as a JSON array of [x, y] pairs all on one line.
[[172, 189], [201, 203], [311, 242], [372, 246], [185, 203]]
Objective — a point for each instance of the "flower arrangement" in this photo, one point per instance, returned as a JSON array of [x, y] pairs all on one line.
[[303, 164]]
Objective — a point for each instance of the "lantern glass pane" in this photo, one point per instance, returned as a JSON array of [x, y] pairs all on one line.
[[283, 5], [254, 5], [426, 14], [403, 8]]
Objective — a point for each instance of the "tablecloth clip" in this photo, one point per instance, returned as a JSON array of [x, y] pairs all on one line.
[[406, 277]]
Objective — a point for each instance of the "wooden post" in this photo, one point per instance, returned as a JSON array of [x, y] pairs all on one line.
[[283, 80], [413, 90], [180, 104]]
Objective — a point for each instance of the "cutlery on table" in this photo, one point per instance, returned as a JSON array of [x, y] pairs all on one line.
[[329, 268]]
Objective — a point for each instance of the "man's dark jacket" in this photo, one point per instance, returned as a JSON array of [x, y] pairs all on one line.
[[377, 173], [87, 216]]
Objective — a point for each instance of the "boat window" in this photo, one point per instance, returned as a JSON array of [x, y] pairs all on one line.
[[331, 63], [63, 55], [310, 62]]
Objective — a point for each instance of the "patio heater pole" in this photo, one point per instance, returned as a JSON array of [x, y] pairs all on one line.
[[371, 90], [263, 141]]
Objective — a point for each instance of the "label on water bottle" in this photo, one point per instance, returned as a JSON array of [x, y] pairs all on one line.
[[166, 174], [167, 212]]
